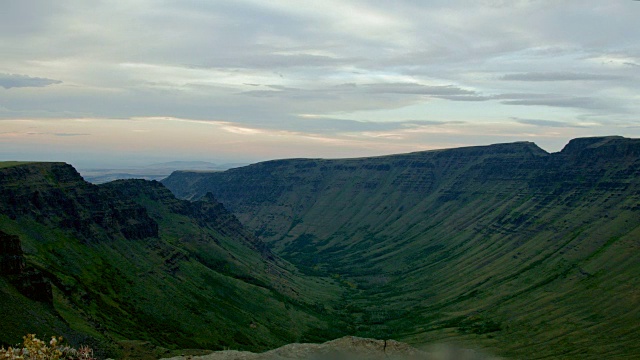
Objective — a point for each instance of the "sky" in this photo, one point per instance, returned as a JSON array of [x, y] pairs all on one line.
[[130, 82]]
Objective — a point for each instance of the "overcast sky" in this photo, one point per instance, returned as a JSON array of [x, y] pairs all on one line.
[[126, 82]]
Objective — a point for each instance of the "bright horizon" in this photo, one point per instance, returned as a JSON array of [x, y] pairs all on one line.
[[131, 83]]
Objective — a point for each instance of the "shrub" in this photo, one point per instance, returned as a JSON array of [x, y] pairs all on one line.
[[36, 349]]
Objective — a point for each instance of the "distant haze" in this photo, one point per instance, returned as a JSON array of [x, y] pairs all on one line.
[[131, 83], [159, 171]]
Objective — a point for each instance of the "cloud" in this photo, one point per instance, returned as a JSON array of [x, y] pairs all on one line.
[[9, 81], [560, 76], [39, 133], [333, 126], [561, 101], [474, 97], [71, 134], [417, 89], [546, 123], [359, 66], [271, 59], [572, 102]]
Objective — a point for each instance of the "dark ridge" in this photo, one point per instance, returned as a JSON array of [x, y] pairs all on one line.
[[580, 144], [515, 148], [56, 193]]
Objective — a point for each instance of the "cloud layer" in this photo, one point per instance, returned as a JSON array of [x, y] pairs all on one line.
[[334, 70]]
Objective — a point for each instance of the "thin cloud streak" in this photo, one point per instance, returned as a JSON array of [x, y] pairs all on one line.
[[560, 76], [9, 81]]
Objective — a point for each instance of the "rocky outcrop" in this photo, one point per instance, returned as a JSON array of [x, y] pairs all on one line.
[[128, 260], [29, 281], [11, 256], [32, 284], [55, 194], [349, 348], [346, 348], [207, 211]]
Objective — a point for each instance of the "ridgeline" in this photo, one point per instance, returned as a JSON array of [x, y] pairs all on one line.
[[132, 271], [505, 248], [526, 253]]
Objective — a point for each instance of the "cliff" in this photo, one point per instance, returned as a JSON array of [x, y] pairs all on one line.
[[502, 244], [55, 194], [129, 261], [11, 256], [28, 281]]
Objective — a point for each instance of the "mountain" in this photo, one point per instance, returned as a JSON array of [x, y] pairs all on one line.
[[125, 265], [526, 253]]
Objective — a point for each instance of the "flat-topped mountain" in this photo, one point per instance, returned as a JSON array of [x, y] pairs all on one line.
[[508, 246]]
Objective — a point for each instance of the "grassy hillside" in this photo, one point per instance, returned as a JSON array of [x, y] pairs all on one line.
[[4, 164], [525, 253], [128, 261]]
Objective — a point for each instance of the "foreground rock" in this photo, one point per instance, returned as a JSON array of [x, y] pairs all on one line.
[[346, 348]]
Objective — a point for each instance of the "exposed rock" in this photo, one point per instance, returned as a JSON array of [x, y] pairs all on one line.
[[207, 211], [30, 282], [55, 194], [472, 241], [11, 256], [130, 261], [348, 347]]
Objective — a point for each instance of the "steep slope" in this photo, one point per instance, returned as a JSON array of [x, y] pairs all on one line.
[[129, 261], [528, 253]]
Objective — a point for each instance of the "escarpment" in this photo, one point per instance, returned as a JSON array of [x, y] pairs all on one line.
[[127, 260], [29, 281], [55, 193], [502, 243], [11, 255]]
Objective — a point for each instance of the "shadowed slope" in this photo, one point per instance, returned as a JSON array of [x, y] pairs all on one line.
[[505, 245], [127, 260]]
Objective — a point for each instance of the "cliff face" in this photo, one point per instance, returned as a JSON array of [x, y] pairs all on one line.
[[54, 193], [207, 211], [127, 260], [285, 198], [30, 282], [502, 242], [11, 256]]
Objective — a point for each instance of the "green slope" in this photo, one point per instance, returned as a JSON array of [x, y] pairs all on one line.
[[526, 253], [128, 261]]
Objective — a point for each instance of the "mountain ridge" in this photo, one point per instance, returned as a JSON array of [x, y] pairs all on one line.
[[128, 261], [456, 243]]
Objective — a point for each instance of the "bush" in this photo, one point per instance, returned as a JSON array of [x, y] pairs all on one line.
[[36, 349]]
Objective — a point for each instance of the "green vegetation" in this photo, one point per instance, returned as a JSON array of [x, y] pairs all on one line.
[[4, 164], [128, 261], [507, 247]]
